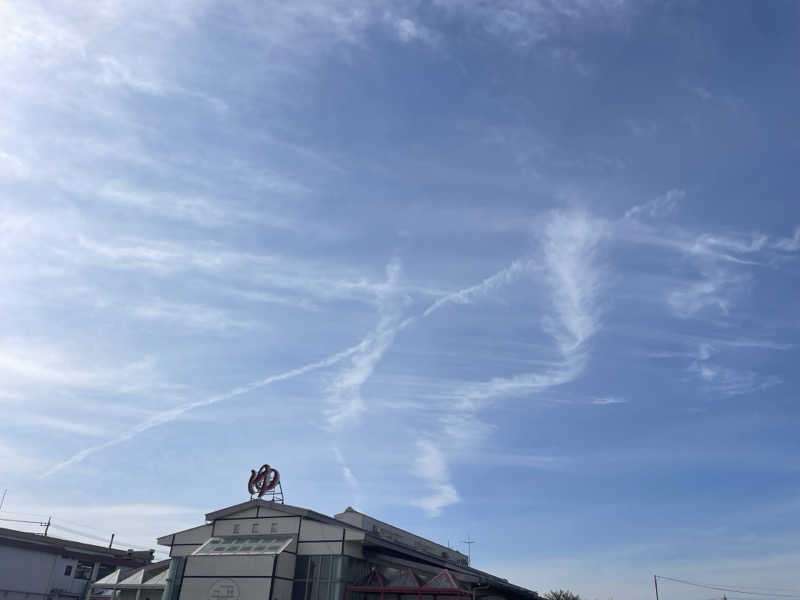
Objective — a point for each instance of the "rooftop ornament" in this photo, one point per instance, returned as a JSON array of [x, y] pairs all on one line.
[[267, 481]]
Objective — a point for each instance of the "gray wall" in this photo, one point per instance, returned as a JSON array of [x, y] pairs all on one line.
[[32, 572]]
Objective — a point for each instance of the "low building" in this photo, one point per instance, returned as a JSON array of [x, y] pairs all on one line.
[[34, 566], [267, 550]]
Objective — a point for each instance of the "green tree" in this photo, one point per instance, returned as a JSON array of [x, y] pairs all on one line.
[[562, 595]]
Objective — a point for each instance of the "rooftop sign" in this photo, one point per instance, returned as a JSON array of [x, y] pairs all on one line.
[[265, 480]]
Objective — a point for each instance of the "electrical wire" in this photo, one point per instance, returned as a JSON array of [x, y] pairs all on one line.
[[56, 523], [22, 521], [722, 588]]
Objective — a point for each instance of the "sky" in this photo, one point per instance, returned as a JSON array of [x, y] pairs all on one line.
[[520, 271]]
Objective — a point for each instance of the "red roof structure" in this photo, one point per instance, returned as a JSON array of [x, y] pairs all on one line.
[[407, 583]]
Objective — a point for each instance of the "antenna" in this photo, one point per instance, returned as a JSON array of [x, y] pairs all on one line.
[[469, 543]]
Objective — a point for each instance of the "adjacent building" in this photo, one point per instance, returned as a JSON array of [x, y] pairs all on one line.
[[34, 566], [267, 550]]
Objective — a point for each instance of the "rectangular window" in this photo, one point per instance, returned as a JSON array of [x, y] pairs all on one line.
[[244, 544], [84, 569], [105, 570], [324, 577], [68, 570]]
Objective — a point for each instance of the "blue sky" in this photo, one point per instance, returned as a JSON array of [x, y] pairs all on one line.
[[525, 271]]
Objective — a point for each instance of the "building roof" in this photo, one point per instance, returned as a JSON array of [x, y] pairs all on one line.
[[279, 506], [148, 577], [73, 549], [378, 545], [352, 517]]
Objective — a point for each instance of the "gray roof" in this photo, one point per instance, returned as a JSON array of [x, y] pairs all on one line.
[[149, 577], [73, 549], [287, 508]]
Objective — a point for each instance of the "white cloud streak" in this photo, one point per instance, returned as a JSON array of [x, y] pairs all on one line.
[[431, 466], [345, 390], [346, 403], [169, 415], [608, 400], [732, 382], [659, 207], [574, 276], [713, 291], [485, 287]]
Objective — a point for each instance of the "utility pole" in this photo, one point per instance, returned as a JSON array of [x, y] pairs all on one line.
[[469, 543], [47, 526], [112, 540], [3, 499], [655, 582]]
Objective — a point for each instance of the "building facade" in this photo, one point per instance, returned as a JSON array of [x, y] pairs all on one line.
[[266, 550], [34, 566]]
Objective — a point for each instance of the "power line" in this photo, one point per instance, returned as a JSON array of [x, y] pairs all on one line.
[[57, 525], [722, 588], [104, 540], [23, 521]]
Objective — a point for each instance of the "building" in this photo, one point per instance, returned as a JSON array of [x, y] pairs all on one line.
[[268, 550], [34, 566]]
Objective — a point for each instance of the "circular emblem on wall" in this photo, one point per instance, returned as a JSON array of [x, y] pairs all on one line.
[[224, 589]]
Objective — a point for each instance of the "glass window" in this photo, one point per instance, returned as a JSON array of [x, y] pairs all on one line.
[[299, 590], [301, 567], [105, 569], [323, 591], [68, 570], [325, 568], [84, 569], [245, 544]]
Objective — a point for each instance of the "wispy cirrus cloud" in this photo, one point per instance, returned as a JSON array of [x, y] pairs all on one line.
[[193, 316], [344, 392], [659, 207], [732, 382], [169, 415], [430, 465], [609, 400], [574, 278], [25, 363], [490, 284], [344, 399], [714, 290]]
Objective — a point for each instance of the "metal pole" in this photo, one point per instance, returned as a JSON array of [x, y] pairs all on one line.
[[111, 543], [655, 582], [46, 527]]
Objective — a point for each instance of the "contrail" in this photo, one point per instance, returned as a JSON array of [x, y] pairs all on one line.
[[165, 416], [463, 296], [466, 295]]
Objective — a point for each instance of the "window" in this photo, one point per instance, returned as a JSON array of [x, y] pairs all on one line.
[[84, 569], [105, 569], [244, 544], [68, 570], [324, 577]]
